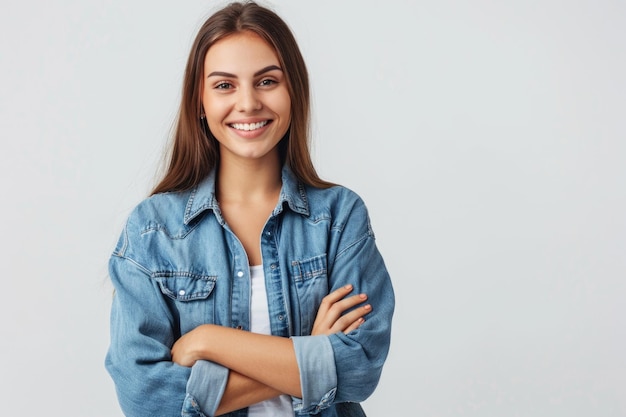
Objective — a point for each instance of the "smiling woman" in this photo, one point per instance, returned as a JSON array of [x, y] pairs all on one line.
[[245, 284], [245, 98]]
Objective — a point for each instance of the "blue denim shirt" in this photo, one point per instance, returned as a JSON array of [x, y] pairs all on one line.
[[178, 265]]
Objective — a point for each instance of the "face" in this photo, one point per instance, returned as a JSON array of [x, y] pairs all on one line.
[[245, 97]]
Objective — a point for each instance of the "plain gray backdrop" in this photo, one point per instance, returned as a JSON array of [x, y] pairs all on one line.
[[487, 139]]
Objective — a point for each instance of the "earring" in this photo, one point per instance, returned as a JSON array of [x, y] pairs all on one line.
[[204, 125]]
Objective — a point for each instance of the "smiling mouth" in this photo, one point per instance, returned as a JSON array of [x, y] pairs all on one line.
[[249, 126]]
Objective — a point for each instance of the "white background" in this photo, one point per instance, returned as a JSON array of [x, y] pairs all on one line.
[[486, 137]]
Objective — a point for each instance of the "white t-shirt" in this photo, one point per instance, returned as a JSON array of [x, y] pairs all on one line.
[[260, 323]]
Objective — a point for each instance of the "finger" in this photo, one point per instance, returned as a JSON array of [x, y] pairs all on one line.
[[336, 295], [349, 318], [333, 316], [329, 302], [355, 325], [339, 307]]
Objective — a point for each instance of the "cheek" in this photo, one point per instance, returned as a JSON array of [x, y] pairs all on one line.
[[214, 109], [284, 106]]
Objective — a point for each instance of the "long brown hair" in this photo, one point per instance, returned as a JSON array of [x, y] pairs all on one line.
[[195, 152]]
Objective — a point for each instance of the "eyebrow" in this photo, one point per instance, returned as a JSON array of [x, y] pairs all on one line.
[[256, 74]]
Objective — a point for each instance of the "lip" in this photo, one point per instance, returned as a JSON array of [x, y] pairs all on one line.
[[249, 134]]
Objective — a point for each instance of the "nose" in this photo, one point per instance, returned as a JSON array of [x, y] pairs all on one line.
[[248, 100]]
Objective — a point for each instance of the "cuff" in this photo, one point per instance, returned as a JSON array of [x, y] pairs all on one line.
[[318, 375], [205, 388]]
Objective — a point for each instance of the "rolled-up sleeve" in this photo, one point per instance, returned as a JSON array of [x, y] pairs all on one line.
[[340, 367], [361, 354], [142, 332], [318, 376], [200, 399]]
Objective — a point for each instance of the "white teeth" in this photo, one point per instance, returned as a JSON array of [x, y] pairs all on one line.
[[249, 126]]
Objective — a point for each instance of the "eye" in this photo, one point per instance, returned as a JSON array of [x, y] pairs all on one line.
[[267, 82], [223, 86]]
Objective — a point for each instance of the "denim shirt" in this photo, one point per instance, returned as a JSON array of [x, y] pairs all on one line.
[[178, 265]]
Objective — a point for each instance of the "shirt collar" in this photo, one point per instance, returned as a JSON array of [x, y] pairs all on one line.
[[203, 196]]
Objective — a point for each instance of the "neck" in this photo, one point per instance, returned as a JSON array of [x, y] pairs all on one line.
[[248, 181]]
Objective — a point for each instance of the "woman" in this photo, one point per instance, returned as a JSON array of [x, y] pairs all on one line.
[[243, 283]]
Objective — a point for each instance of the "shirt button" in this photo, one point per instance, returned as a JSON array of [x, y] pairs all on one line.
[[181, 292], [239, 327], [240, 274], [268, 233], [280, 317], [273, 266]]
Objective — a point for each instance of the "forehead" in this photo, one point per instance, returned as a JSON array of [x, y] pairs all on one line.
[[240, 52]]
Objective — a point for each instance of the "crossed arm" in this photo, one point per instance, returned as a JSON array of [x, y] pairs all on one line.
[[270, 369]]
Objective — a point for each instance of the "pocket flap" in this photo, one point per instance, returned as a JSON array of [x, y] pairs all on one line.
[[185, 286]]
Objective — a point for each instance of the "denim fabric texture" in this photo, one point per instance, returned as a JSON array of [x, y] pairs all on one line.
[[177, 265]]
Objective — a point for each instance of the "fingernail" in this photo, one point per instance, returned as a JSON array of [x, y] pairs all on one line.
[[348, 287], [363, 296], [368, 307]]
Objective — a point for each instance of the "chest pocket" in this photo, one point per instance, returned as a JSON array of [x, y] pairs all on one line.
[[189, 297], [310, 278]]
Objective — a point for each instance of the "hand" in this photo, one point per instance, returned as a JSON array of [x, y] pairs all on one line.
[[187, 350], [330, 316]]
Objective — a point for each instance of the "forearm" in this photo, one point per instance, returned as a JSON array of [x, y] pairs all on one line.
[[242, 391], [270, 360]]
